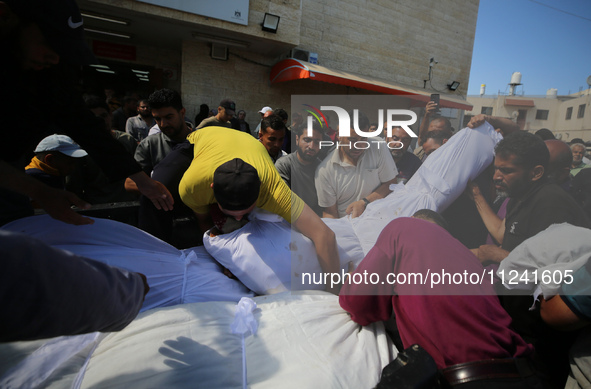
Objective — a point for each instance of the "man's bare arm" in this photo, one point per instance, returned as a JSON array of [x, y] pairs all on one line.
[[494, 224], [311, 226], [423, 129], [557, 314], [504, 125], [490, 253], [331, 212]]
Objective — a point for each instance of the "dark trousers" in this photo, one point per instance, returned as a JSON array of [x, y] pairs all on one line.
[[161, 223]]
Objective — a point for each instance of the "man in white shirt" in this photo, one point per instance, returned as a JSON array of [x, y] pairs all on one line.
[[359, 171]]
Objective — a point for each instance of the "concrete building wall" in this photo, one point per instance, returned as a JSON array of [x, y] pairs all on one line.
[[290, 11]]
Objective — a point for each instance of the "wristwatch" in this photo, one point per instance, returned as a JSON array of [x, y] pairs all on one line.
[[366, 201]]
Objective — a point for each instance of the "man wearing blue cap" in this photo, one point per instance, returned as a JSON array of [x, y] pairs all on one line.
[[55, 157]]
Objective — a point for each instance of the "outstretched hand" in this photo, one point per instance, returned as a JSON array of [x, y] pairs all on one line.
[[154, 190], [58, 204]]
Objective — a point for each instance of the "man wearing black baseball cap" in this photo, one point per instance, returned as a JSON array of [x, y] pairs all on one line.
[[232, 173], [226, 111], [41, 40]]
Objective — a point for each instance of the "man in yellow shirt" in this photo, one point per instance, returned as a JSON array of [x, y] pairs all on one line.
[[233, 170]]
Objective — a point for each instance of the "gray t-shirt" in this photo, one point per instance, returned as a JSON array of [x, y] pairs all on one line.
[[300, 178]]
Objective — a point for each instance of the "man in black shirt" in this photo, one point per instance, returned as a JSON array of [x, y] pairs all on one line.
[[521, 166]]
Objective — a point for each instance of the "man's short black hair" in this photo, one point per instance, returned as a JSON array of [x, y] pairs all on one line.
[[446, 123], [274, 121], [303, 130], [438, 136], [281, 113], [529, 150], [545, 134], [165, 98]]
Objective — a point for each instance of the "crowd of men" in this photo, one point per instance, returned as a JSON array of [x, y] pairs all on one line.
[[217, 170]]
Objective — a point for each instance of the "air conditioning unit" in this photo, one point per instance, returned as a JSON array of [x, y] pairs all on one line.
[[219, 52], [302, 55]]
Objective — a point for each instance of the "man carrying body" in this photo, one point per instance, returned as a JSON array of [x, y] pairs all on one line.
[[272, 134], [298, 169], [521, 165], [231, 173], [226, 111], [353, 175], [406, 162], [455, 323], [139, 126]]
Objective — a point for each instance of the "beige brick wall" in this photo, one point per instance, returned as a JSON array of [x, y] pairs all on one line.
[[393, 40]]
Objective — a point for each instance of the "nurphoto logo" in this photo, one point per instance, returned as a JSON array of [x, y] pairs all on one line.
[[346, 124]]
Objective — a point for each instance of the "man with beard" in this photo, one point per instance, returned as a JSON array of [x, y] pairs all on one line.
[[139, 126], [406, 162], [521, 170], [297, 169], [168, 112], [521, 166]]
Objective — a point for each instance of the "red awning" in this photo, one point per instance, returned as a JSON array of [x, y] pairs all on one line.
[[519, 102], [293, 69]]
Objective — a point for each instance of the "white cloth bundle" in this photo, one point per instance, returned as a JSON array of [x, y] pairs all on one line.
[[262, 253], [269, 257], [540, 263], [435, 185]]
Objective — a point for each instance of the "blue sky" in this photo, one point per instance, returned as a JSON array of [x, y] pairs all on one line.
[[550, 48]]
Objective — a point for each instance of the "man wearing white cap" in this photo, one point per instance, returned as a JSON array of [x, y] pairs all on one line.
[[55, 157], [264, 112]]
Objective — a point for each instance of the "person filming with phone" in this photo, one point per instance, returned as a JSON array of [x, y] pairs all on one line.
[[432, 122]]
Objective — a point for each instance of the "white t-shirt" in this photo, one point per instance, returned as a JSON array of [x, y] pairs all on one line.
[[339, 182]]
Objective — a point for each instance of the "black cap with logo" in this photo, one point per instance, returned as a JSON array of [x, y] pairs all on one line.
[[236, 185], [61, 24]]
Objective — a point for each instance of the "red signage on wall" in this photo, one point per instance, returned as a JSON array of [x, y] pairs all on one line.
[[113, 50]]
